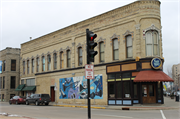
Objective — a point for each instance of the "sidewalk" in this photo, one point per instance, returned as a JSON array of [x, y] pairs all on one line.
[[168, 104]]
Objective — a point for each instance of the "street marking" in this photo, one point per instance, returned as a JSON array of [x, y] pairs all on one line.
[[113, 115], [162, 114]]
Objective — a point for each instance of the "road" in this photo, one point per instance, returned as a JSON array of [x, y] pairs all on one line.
[[55, 112]]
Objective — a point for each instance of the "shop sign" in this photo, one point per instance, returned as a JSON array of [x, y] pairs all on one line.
[[156, 63]]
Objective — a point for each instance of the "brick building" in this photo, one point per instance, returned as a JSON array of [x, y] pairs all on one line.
[[9, 72], [128, 67]]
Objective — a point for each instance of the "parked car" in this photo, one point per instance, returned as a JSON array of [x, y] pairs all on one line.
[[38, 99], [17, 100]]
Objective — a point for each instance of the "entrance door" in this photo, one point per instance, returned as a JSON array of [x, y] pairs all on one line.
[[52, 94], [148, 93]]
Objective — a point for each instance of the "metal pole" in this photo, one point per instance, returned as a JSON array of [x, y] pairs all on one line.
[[88, 80]]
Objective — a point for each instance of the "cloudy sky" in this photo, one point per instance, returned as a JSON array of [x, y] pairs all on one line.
[[22, 19]]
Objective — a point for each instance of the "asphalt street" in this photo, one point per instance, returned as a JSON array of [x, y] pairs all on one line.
[[55, 112]]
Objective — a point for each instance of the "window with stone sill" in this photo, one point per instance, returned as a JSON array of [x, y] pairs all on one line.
[[37, 64], [80, 61], [115, 49], [27, 66], [49, 62], [129, 49], [101, 51], [43, 63], [32, 65], [61, 60], [152, 43], [55, 60], [23, 67], [68, 59]]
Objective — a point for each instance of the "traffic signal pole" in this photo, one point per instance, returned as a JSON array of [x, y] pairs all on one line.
[[90, 45], [88, 80]]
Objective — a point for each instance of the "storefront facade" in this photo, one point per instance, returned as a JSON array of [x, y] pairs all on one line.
[[127, 40]]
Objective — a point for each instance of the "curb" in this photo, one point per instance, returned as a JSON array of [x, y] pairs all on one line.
[[123, 108], [80, 106]]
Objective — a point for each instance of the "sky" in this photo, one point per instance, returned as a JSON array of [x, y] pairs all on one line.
[[22, 19]]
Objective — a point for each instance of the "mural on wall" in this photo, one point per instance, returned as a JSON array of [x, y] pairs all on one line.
[[76, 88], [0, 66]]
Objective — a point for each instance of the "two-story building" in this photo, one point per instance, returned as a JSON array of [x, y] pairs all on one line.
[[9, 72], [128, 67]]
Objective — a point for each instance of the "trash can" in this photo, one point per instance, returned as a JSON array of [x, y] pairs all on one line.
[[177, 98]]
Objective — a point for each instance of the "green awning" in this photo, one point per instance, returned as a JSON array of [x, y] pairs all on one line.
[[20, 87], [29, 88]]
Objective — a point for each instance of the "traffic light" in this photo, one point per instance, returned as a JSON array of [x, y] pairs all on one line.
[[90, 46]]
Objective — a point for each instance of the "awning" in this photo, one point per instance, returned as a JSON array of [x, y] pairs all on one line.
[[29, 88], [152, 76], [20, 87]]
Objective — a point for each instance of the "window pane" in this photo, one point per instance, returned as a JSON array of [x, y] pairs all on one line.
[[102, 57], [159, 90], [115, 44], [148, 38], [155, 38], [3, 82], [116, 55], [13, 81], [119, 89], [129, 52], [13, 65], [0, 82], [80, 51], [149, 50], [155, 49], [111, 90], [129, 40], [126, 89], [111, 76], [102, 47], [80, 56], [135, 91]]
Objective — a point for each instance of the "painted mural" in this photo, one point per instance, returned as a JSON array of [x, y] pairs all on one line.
[[76, 88]]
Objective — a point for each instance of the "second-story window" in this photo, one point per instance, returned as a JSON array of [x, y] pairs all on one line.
[[80, 56], [22, 81], [101, 51], [68, 58], [13, 82], [129, 50], [0, 82], [37, 64], [55, 61], [32, 65], [4, 65], [43, 63], [23, 67], [49, 62], [61, 60], [27, 66], [152, 43], [3, 82], [13, 65], [115, 49]]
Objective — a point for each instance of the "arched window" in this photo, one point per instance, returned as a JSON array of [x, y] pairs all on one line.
[[61, 60], [68, 59], [101, 51], [115, 49], [32, 65], [37, 64], [49, 62], [80, 61], [27, 66], [55, 60], [43, 63], [129, 50], [152, 43]]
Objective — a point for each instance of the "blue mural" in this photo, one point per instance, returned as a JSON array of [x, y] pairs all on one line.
[[76, 88]]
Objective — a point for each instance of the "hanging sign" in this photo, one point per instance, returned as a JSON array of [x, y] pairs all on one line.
[[89, 71]]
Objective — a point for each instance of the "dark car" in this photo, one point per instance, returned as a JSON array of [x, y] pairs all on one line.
[[17, 100], [38, 99]]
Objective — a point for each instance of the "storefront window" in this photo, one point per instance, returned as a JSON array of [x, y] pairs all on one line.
[[126, 89], [119, 89], [111, 76], [111, 90], [135, 91]]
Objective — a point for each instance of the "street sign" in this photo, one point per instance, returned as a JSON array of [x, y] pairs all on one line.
[[89, 71]]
